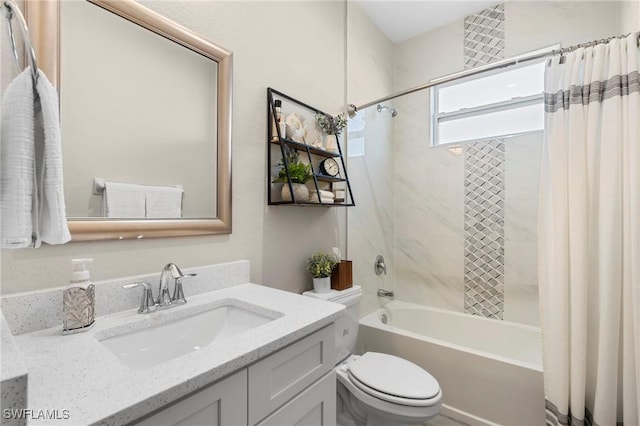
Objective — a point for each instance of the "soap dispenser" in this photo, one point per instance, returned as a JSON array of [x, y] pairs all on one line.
[[78, 300]]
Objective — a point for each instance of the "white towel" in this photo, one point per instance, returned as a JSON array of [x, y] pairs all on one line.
[[326, 194], [52, 218], [164, 201], [123, 200], [31, 189], [313, 198], [17, 159]]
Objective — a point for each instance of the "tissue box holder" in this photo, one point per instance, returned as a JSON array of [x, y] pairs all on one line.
[[342, 276]]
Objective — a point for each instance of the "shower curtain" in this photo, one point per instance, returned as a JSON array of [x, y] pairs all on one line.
[[589, 246]]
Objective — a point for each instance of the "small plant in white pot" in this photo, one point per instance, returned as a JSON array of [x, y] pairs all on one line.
[[332, 127], [299, 173], [320, 265]]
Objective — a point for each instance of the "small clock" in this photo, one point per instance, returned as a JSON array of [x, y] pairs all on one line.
[[329, 167]]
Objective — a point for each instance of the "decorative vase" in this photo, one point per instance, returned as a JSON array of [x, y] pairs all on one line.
[[322, 285], [331, 143], [300, 191]]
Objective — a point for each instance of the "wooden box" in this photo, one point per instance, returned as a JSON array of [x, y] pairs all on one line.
[[342, 276]]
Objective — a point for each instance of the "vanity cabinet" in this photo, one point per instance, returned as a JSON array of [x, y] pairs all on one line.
[[280, 146], [223, 403], [295, 385]]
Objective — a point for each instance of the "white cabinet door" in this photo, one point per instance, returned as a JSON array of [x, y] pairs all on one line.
[[315, 406], [276, 379], [224, 403]]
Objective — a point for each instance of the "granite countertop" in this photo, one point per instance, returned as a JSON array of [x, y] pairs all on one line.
[[78, 374]]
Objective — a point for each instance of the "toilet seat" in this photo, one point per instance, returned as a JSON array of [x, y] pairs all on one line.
[[394, 380]]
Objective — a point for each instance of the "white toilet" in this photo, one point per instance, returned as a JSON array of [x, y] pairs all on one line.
[[373, 388]]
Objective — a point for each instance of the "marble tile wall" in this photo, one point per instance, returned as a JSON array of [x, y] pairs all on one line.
[[429, 211], [523, 154], [370, 225]]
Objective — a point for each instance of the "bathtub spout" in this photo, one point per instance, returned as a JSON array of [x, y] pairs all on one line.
[[385, 293]]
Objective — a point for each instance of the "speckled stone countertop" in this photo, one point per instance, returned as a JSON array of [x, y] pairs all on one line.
[[13, 375], [79, 374]]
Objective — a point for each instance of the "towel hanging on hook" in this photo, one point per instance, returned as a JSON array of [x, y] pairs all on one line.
[[9, 10]]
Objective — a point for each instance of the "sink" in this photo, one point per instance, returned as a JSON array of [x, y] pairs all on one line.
[[157, 344]]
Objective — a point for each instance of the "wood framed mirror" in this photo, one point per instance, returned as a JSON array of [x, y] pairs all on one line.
[[206, 201]]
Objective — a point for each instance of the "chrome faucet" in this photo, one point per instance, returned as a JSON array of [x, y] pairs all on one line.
[[386, 293], [164, 299], [147, 303]]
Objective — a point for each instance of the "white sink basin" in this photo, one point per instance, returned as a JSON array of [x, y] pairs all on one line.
[[154, 345]]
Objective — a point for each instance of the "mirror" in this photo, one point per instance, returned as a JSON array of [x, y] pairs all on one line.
[[145, 109]]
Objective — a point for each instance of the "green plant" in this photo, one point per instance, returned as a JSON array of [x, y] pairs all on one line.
[[320, 265], [329, 124], [298, 171]]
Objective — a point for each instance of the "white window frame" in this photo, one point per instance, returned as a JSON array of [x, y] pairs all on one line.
[[439, 117]]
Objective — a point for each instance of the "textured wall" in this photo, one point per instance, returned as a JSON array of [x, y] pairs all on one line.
[[296, 47]]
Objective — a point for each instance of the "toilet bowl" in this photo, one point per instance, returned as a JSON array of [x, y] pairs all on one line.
[[377, 389]]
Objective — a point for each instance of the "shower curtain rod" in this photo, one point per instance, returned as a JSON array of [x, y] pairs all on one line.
[[489, 67]]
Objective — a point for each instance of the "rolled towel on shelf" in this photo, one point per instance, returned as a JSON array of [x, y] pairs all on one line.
[[326, 194], [325, 200]]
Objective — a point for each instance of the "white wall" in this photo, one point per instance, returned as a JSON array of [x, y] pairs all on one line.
[[629, 16], [295, 47]]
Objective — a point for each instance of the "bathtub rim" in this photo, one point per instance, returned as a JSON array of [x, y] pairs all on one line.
[[372, 320]]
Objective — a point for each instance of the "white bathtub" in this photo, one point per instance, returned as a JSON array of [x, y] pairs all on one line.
[[490, 371]]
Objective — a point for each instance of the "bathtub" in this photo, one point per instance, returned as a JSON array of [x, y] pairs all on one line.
[[490, 371]]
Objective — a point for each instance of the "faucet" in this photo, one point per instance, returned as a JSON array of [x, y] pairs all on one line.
[[385, 293], [163, 300], [146, 302]]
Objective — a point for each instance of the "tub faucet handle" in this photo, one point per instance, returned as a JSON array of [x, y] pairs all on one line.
[[379, 266]]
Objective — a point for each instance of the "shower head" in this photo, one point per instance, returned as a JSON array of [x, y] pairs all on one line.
[[391, 110]]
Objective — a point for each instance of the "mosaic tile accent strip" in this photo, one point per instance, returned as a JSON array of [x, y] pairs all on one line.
[[484, 37], [484, 228]]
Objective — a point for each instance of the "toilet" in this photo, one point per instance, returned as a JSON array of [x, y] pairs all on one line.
[[376, 389]]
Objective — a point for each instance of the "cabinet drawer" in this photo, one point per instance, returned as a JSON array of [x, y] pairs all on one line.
[[222, 404], [279, 377], [316, 405]]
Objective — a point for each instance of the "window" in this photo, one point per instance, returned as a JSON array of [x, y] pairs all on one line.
[[495, 103]]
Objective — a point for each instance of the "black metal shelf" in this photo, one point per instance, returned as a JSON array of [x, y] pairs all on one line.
[[320, 181], [303, 147]]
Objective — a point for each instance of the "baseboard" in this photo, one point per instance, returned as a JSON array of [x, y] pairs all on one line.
[[463, 416]]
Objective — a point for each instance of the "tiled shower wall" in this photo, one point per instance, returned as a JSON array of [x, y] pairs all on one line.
[[484, 199], [432, 209], [484, 183]]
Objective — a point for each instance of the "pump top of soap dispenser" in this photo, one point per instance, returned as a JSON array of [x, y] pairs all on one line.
[[80, 274]]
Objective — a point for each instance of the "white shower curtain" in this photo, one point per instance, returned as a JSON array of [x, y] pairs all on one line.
[[589, 246]]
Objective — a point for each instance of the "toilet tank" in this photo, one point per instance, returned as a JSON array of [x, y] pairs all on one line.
[[346, 326]]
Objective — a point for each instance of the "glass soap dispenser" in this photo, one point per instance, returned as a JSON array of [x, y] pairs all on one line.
[[78, 300]]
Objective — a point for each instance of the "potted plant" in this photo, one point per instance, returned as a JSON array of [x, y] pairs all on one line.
[[332, 127], [320, 265], [299, 173]]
